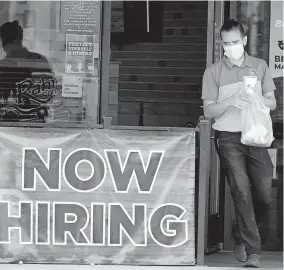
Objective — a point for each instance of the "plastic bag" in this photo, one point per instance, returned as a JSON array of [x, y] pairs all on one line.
[[257, 124]]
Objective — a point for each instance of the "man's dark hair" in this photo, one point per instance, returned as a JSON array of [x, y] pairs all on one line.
[[230, 25], [11, 32]]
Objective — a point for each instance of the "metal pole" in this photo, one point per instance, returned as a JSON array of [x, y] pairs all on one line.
[[148, 21], [105, 59], [203, 188]]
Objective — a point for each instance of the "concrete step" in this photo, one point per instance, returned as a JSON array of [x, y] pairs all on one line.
[[197, 46], [185, 5], [164, 63], [198, 21], [184, 14], [185, 39], [174, 71], [185, 31], [156, 108], [152, 78], [158, 94], [120, 55], [160, 86]]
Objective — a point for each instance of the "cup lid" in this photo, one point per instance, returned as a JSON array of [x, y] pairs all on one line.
[[252, 72]]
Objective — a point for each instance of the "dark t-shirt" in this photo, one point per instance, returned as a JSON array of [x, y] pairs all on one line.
[[26, 83]]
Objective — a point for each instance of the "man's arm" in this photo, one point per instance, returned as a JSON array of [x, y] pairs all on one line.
[[268, 88], [210, 92], [269, 100], [213, 109]]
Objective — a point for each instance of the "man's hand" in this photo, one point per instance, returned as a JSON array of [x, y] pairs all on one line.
[[241, 101]]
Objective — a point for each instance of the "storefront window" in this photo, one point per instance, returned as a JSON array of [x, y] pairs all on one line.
[[55, 76]]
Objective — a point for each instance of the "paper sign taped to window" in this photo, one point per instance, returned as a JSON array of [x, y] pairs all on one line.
[[72, 86]]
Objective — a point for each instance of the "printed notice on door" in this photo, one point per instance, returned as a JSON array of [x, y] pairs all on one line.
[[80, 54], [80, 17], [276, 47], [72, 86]]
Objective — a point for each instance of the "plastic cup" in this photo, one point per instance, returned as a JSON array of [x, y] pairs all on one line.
[[250, 82]]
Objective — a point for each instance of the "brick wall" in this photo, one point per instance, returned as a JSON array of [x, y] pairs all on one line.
[[166, 76]]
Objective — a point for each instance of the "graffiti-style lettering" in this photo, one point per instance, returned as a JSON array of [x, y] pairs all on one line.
[[36, 91]]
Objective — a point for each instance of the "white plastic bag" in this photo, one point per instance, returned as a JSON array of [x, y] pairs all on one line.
[[257, 124]]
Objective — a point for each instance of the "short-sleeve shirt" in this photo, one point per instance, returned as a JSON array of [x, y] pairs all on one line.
[[223, 80]]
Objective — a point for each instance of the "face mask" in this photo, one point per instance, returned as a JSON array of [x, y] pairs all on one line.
[[234, 52]]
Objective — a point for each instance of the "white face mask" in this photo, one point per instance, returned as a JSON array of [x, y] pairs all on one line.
[[234, 52]]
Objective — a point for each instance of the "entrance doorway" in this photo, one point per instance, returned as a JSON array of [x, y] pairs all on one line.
[[157, 78], [255, 16], [160, 71]]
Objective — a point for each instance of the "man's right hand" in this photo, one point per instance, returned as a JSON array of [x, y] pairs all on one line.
[[214, 109], [240, 101]]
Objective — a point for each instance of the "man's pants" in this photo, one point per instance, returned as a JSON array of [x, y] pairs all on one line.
[[249, 172]]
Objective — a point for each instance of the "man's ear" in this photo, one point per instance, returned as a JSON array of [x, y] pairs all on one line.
[[245, 40]]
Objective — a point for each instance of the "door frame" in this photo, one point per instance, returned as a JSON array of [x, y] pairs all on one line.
[[215, 18], [210, 33]]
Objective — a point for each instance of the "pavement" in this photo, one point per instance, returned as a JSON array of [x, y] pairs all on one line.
[[217, 261], [111, 267]]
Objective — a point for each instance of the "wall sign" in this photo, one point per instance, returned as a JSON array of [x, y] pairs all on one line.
[[276, 52], [97, 197], [80, 54], [72, 86], [80, 17]]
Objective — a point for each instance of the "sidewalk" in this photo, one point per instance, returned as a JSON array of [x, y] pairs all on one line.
[[112, 267], [227, 260], [224, 260]]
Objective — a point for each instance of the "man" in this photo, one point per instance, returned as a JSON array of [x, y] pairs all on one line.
[[16, 73], [248, 169]]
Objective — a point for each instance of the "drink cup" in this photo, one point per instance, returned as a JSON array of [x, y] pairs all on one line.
[[250, 83]]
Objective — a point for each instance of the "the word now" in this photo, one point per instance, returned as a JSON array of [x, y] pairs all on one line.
[[88, 228], [50, 171]]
